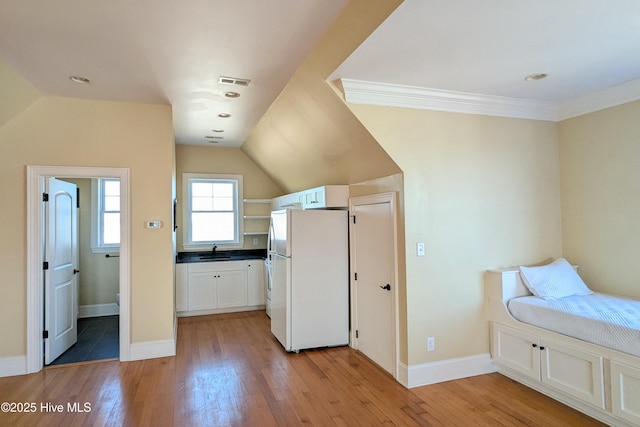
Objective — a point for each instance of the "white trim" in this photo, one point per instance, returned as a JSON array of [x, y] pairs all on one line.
[[153, 349], [188, 245], [610, 97], [372, 93], [35, 303], [13, 365], [361, 92], [450, 369], [98, 310]]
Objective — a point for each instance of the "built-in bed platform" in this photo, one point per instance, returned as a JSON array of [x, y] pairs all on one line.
[[595, 370]]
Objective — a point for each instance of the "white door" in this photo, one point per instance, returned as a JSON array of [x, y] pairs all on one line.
[[61, 254], [373, 264]]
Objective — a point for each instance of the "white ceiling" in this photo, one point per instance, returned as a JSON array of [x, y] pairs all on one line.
[[470, 47], [167, 52]]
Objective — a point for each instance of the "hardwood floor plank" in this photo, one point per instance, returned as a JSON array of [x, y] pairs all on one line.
[[231, 371]]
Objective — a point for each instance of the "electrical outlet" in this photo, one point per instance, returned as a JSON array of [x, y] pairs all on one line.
[[420, 249], [431, 344], [255, 241]]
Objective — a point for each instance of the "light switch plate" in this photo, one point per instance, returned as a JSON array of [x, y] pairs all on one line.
[[420, 249]]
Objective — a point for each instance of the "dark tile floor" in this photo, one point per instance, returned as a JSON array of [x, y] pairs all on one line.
[[98, 338]]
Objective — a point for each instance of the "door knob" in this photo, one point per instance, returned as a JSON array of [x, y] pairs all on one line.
[[386, 287], [76, 271]]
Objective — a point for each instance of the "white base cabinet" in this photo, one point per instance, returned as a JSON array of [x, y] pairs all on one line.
[[573, 371], [218, 287], [625, 392]]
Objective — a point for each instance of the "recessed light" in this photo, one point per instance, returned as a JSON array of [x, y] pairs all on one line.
[[232, 94], [224, 115], [217, 130], [536, 76], [80, 80]]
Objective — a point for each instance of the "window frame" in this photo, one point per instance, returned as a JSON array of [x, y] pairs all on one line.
[[238, 241], [97, 223]]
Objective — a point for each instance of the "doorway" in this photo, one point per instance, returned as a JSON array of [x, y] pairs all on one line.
[[97, 310], [36, 176], [374, 294]]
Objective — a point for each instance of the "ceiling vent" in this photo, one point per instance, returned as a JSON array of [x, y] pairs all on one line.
[[233, 81]]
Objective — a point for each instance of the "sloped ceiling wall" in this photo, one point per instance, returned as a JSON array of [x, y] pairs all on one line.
[[309, 137], [17, 94]]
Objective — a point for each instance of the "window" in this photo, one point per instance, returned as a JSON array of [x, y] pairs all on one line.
[[212, 210], [105, 217]]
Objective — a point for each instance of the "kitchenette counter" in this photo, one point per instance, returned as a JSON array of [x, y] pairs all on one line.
[[207, 256]]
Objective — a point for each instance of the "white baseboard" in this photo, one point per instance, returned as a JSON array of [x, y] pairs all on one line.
[[446, 370], [13, 365], [152, 349], [97, 310]]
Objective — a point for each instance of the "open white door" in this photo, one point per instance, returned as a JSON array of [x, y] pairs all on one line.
[[60, 276], [374, 293]]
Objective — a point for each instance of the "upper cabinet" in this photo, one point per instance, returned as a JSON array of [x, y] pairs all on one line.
[[324, 197]]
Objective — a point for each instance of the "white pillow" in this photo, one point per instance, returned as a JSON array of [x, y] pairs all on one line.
[[552, 281]]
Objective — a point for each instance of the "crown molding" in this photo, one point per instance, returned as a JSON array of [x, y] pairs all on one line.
[[606, 98], [392, 95]]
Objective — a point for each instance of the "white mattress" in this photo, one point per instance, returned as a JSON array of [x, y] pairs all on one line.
[[601, 319]]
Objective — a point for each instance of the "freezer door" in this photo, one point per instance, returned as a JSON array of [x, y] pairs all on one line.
[[280, 226], [280, 300]]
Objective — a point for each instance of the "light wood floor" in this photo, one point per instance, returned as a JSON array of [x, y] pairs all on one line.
[[230, 371]]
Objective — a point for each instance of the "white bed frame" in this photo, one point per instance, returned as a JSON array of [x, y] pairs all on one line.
[[595, 380]]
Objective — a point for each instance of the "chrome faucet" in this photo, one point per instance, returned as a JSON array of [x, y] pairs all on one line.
[[213, 250]]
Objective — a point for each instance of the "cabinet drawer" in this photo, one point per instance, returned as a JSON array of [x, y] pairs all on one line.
[[201, 267]]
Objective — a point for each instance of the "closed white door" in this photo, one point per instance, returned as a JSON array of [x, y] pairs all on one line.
[[374, 291], [61, 255]]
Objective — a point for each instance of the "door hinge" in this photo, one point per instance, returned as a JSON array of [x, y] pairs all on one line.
[[356, 333], [45, 334], [355, 276], [45, 197], [45, 265], [354, 219], [78, 198]]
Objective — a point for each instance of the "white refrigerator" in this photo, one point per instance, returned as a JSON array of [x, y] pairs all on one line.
[[310, 278]]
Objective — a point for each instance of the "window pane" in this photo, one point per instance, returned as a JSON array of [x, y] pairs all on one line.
[[112, 187], [112, 203], [223, 204], [223, 189], [111, 228], [201, 189], [212, 226], [201, 204]]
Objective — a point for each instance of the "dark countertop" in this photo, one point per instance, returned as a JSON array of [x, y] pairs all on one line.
[[206, 256]]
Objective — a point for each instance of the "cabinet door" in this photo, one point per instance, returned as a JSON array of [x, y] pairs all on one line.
[[255, 282], [314, 198], [625, 392], [516, 350], [232, 288], [181, 287], [201, 291], [576, 372]]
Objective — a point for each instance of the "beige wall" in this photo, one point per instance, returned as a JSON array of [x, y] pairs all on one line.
[[600, 185], [17, 93], [257, 185], [480, 192], [74, 132]]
